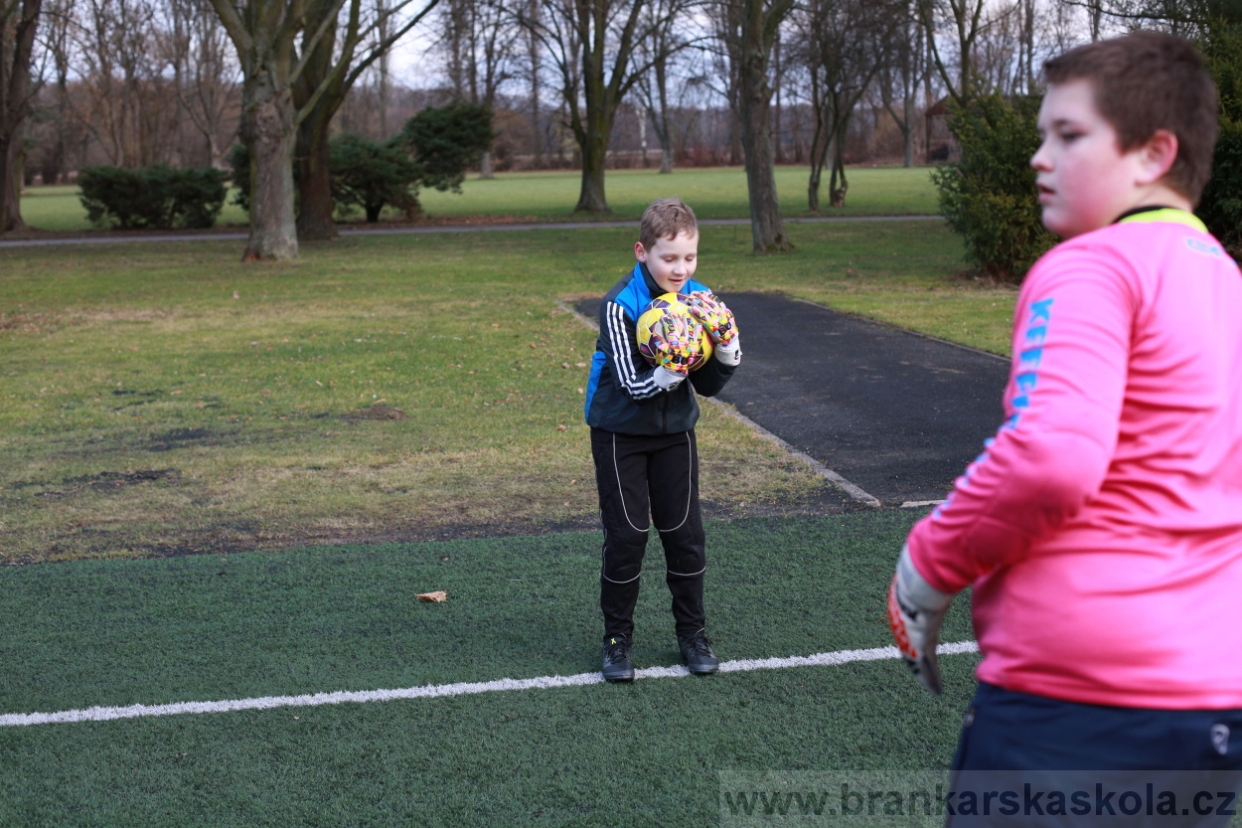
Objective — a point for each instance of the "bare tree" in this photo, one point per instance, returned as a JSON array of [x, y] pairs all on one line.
[[841, 42], [962, 19], [18, 25], [723, 66], [749, 31], [331, 71], [56, 28], [592, 45], [275, 69], [481, 49], [205, 76], [534, 69], [665, 41], [902, 72], [130, 107]]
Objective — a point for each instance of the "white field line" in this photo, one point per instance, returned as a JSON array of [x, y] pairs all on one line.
[[819, 468], [431, 691]]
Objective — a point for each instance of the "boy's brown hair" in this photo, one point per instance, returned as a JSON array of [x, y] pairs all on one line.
[[665, 219], [1146, 81]]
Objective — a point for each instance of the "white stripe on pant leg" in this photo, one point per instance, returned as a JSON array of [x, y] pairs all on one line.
[[625, 510], [689, 493], [135, 711]]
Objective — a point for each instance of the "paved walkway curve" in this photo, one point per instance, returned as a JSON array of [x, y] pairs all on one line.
[[896, 414], [119, 237]]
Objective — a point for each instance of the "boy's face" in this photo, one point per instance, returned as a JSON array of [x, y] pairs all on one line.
[[672, 262], [1085, 180]]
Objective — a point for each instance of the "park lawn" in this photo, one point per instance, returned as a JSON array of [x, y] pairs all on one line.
[[166, 398], [551, 196]]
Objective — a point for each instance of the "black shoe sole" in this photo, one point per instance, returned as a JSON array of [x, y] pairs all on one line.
[[621, 679]]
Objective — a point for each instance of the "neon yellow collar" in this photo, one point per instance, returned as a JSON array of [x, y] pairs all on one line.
[[1165, 214]]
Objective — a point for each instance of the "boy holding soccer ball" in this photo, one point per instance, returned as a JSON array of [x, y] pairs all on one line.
[[1101, 529], [642, 412]]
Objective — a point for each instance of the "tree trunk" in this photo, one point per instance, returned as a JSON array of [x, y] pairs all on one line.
[[836, 195], [270, 131], [485, 166], [11, 183], [314, 182], [314, 157], [812, 187], [735, 143], [754, 104], [821, 145], [18, 22], [907, 131], [664, 132], [593, 143], [591, 197]]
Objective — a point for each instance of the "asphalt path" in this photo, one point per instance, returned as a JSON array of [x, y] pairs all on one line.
[[896, 414]]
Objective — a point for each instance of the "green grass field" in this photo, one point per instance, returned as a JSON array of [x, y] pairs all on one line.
[[314, 419], [206, 628], [551, 196], [165, 398]]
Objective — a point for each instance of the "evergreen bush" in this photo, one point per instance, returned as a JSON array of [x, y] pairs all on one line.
[[370, 175], [434, 149], [152, 197], [1221, 204], [445, 141], [989, 196]]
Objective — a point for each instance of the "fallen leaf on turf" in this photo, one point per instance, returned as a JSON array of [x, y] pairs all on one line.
[[437, 597], [562, 428]]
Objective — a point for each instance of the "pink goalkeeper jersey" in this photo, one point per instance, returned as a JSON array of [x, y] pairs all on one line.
[[1101, 528]]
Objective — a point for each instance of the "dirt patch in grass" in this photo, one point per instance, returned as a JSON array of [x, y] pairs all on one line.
[[376, 412], [179, 438], [105, 481]]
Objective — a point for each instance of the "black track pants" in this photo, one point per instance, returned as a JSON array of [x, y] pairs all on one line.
[[644, 481]]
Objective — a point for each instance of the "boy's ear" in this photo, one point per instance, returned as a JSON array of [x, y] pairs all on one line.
[[1157, 156], [640, 252]]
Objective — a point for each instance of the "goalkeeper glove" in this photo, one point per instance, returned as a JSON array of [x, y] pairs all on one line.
[[714, 316], [666, 379], [671, 344], [730, 354], [916, 610]]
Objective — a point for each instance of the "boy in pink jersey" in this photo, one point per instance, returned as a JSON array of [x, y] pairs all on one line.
[[1101, 529]]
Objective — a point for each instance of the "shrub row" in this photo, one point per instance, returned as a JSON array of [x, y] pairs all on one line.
[[153, 197]]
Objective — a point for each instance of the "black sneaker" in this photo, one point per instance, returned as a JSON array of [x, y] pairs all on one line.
[[617, 664], [696, 651]]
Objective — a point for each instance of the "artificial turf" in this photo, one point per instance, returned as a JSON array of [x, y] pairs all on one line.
[[336, 618]]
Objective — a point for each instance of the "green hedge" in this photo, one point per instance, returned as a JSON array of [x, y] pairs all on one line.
[[152, 197], [989, 197]]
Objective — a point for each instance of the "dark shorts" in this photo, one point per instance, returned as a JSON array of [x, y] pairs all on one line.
[[1030, 760]]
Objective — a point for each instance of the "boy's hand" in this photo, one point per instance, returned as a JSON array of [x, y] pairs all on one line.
[[916, 610], [730, 354], [666, 379], [672, 344], [714, 316]]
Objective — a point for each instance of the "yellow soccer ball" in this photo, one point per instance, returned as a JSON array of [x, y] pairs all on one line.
[[669, 335]]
